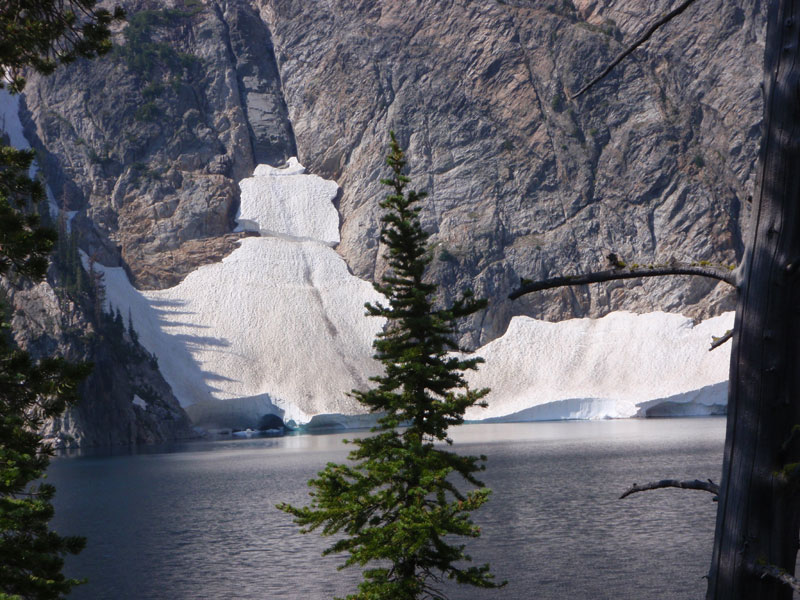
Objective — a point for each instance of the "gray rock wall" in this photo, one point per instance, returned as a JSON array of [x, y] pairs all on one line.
[[656, 163], [149, 142], [124, 400]]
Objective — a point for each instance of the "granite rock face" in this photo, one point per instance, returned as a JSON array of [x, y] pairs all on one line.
[[124, 400], [655, 163], [147, 145]]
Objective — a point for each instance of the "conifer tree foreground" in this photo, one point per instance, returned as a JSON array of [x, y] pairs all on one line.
[[31, 555], [397, 506], [34, 35]]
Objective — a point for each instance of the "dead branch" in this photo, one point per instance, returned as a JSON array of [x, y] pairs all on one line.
[[635, 271], [646, 36], [707, 486], [716, 342], [779, 574]]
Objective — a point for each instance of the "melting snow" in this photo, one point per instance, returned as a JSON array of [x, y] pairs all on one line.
[[277, 327], [287, 202], [622, 365]]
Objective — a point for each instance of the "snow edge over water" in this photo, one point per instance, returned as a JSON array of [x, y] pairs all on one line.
[[278, 327]]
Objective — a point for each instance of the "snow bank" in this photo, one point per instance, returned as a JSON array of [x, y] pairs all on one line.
[[622, 365], [277, 327], [287, 202], [292, 167]]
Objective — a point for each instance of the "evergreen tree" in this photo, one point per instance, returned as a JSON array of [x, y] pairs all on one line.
[[41, 34], [31, 556], [24, 242], [397, 503], [97, 290], [37, 34], [131, 331]]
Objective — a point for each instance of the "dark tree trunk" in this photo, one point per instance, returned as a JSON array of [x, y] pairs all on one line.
[[757, 519]]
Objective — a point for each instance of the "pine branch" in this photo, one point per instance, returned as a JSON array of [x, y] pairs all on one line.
[[780, 575], [646, 36], [707, 486], [714, 272]]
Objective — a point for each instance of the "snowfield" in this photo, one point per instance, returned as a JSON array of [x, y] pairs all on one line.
[[279, 327], [286, 202], [619, 366]]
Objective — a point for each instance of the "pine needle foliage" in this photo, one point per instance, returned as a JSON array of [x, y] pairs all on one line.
[[24, 241], [35, 35], [31, 555], [41, 34], [396, 506]]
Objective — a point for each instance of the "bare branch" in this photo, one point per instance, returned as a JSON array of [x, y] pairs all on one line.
[[650, 31], [779, 574], [706, 486], [718, 341], [714, 272]]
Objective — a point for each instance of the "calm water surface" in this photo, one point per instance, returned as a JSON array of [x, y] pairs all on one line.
[[199, 521]]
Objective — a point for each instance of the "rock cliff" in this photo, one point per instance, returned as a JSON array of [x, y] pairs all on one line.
[[656, 163], [148, 143], [125, 399]]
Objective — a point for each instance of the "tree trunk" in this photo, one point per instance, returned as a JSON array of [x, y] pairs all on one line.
[[757, 518]]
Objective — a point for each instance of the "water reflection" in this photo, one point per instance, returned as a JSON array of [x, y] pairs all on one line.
[[198, 520]]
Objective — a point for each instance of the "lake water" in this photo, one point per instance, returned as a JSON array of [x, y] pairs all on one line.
[[199, 520]]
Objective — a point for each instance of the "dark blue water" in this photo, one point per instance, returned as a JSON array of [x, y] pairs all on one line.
[[199, 521]]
